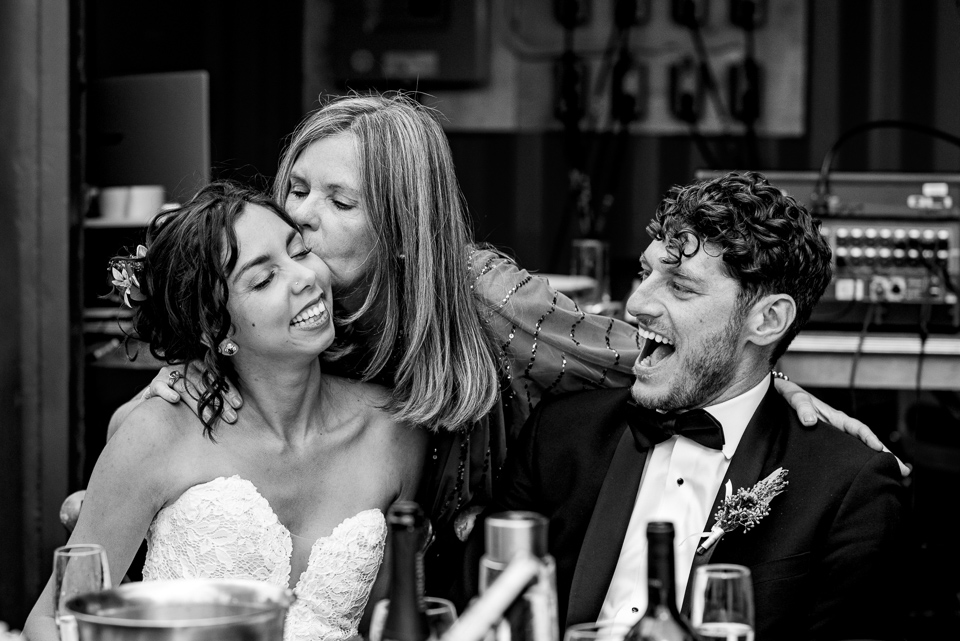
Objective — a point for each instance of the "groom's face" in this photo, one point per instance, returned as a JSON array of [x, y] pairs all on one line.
[[691, 329]]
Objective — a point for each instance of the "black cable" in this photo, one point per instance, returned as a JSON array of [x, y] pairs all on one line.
[[703, 147], [837, 315], [568, 110], [713, 91], [611, 173], [586, 180], [867, 320], [923, 344], [822, 189], [606, 167], [752, 112], [615, 42], [945, 275], [936, 269]]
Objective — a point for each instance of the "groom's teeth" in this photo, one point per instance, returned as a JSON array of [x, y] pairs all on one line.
[[654, 337]]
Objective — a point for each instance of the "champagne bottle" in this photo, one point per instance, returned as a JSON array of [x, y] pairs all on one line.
[[406, 617], [662, 621]]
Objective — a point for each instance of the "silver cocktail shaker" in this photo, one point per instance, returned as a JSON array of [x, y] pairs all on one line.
[[532, 617]]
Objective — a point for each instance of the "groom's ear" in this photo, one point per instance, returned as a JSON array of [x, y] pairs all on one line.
[[769, 318]]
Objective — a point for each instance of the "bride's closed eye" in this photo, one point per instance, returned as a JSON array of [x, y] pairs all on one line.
[[262, 283]]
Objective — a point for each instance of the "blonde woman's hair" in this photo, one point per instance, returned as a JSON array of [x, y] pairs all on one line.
[[428, 327]]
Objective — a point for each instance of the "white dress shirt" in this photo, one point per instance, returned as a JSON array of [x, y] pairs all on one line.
[[679, 484]]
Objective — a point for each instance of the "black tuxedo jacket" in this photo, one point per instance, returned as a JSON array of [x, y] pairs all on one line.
[[826, 561]]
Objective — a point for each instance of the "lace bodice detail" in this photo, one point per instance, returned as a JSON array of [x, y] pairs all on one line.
[[226, 529]]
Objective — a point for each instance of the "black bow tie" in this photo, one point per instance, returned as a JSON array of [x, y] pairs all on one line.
[[650, 427]]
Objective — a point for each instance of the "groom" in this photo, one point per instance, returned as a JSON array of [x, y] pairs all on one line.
[[733, 272]]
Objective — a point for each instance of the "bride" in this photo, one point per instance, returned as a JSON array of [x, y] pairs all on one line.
[[287, 494]]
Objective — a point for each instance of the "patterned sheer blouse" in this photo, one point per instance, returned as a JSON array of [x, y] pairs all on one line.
[[546, 345]]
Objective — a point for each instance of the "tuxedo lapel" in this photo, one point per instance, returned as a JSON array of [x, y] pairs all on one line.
[[744, 470], [604, 536]]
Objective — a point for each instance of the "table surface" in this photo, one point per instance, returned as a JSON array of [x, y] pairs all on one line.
[[883, 361]]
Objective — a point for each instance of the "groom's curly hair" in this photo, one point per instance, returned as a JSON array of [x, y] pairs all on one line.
[[191, 252], [768, 241]]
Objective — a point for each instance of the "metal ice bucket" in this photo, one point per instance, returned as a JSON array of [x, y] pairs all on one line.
[[183, 610]]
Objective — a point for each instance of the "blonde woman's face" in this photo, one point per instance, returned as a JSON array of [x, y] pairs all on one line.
[[324, 196]]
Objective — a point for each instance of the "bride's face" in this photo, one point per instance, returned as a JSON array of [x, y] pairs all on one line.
[[280, 300]]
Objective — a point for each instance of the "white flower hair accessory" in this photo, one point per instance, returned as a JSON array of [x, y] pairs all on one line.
[[124, 272], [745, 508]]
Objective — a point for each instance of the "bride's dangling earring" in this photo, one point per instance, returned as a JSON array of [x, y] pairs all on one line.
[[228, 348]]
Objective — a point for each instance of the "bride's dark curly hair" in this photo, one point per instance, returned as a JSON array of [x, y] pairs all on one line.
[[183, 315], [768, 241]]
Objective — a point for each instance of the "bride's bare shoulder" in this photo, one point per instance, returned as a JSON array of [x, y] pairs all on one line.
[[162, 442], [155, 424]]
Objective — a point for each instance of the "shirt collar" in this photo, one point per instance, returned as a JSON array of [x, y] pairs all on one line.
[[734, 414]]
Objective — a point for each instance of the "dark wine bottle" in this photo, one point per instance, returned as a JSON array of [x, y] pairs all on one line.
[[662, 621], [406, 616]]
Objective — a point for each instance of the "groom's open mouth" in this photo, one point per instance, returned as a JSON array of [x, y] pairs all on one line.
[[655, 348]]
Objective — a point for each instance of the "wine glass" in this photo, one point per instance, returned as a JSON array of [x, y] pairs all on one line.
[[441, 615], [600, 631], [77, 569], [722, 606]]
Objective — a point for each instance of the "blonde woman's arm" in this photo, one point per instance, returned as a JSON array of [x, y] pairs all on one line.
[[548, 345]]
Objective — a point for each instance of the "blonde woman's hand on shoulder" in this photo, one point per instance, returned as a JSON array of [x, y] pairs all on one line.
[[810, 409], [175, 383]]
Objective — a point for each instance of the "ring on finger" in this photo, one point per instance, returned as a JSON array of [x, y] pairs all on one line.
[[175, 376]]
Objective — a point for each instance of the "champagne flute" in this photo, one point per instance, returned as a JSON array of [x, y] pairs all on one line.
[[722, 605], [441, 615], [77, 569], [600, 631]]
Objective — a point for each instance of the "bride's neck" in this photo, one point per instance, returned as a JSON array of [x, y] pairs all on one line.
[[281, 397]]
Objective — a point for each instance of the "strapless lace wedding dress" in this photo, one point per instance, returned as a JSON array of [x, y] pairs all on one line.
[[225, 529]]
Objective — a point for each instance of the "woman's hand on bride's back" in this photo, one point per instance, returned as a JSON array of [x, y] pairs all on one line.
[[175, 383]]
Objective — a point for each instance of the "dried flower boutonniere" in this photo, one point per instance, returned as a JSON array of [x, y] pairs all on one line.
[[745, 508], [124, 272]]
